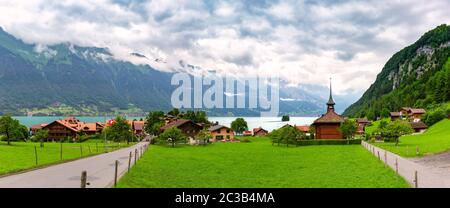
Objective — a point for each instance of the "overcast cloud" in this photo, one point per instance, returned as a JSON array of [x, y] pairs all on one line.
[[305, 41]]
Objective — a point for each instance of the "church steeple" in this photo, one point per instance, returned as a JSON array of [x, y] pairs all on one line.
[[330, 102]]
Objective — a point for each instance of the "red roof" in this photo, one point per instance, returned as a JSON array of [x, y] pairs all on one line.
[[330, 117], [303, 128], [256, 130], [246, 133], [417, 111], [418, 125]]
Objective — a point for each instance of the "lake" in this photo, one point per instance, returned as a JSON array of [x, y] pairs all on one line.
[[268, 123]]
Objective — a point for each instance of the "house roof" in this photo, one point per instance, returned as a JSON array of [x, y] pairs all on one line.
[[395, 114], [138, 125], [178, 123], [38, 126], [418, 111], [330, 117], [247, 132], [217, 127], [418, 125], [303, 128], [67, 125], [362, 120], [256, 130]]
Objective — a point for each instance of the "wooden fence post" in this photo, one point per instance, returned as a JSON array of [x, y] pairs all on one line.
[[115, 173], [35, 154], [135, 156], [96, 146], [129, 162], [378, 152], [89, 147], [417, 150], [61, 152], [81, 150], [385, 157], [83, 179], [416, 181]]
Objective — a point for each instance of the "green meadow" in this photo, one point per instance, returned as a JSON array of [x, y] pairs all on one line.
[[259, 164], [22, 155], [435, 140]]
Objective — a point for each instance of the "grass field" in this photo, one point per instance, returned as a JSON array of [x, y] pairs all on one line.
[[259, 164], [435, 140], [375, 124], [21, 156]]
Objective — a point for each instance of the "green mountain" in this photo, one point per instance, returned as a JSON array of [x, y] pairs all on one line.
[[417, 76], [67, 79]]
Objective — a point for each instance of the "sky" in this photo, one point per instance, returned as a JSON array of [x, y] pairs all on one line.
[[305, 42]]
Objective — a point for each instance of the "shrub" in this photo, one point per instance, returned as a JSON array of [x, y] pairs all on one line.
[[329, 142]]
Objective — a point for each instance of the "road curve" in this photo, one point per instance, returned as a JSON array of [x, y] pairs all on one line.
[[100, 171]]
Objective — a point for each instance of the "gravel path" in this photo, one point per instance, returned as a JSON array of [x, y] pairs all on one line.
[[432, 171], [100, 171]]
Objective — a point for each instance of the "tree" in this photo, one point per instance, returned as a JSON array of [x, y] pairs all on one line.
[[154, 122], [385, 113], [396, 129], [287, 134], [239, 125], [348, 128], [203, 135], [174, 112], [40, 136], [172, 135], [11, 128], [120, 130], [285, 118]]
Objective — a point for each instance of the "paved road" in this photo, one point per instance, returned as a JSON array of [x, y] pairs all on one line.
[[100, 171], [428, 177]]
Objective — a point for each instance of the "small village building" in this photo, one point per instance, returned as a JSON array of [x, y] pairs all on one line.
[[247, 133], [362, 123], [304, 129], [327, 126], [221, 133], [260, 132], [395, 116], [60, 130], [415, 114], [419, 127], [188, 127], [37, 127]]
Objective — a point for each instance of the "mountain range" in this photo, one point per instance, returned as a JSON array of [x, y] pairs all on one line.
[[416, 76], [66, 79]]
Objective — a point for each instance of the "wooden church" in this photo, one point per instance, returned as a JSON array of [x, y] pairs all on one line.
[[327, 126]]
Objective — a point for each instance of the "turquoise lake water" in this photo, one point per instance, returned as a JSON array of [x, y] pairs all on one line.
[[268, 123]]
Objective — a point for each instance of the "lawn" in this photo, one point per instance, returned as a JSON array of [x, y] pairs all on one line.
[[375, 124], [259, 164], [435, 140], [21, 155]]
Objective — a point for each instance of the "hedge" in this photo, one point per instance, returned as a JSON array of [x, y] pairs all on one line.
[[329, 142]]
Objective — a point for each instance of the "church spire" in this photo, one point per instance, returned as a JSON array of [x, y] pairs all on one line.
[[330, 102]]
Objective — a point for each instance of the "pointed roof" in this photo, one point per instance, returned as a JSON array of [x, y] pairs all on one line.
[[330, 117], [330, 99]]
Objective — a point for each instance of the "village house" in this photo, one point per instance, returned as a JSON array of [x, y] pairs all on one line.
[[69, 127], [418, 126], [221, 133], [137, 127], [412, 114], [247, 133], [362, 123], [188, 127], [327, 126], [395, 116], [260, 132], [303, 129]]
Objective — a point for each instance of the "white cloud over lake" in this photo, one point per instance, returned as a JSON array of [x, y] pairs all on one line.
[[306, 42]]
